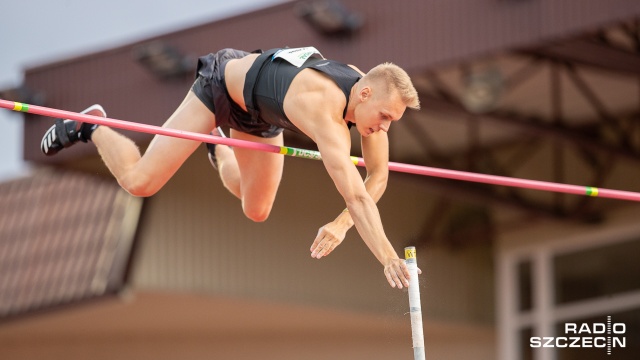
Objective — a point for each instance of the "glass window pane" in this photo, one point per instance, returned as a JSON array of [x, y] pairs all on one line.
[[526, 351], [597, 272], [525, 292]]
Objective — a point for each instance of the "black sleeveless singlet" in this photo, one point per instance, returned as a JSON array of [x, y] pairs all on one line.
[[268, 81]]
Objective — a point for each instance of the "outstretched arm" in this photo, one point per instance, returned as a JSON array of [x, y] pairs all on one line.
[[375, 151], [334, 144]]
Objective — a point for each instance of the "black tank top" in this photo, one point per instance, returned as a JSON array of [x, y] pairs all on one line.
[[274, 79]]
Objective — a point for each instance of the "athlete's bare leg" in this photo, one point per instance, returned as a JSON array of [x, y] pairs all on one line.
[[250, 175], [145, 175]]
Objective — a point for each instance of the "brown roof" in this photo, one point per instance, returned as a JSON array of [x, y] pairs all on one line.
[[64, 237]]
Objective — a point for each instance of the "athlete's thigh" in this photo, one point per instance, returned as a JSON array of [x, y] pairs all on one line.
[[166, 154], [260, 172]]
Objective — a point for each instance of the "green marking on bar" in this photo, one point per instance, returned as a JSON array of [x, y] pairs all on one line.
[[286, 151], [591, 191], [18, 106]]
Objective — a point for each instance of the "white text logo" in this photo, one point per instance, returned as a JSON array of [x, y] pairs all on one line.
[[607, 336]]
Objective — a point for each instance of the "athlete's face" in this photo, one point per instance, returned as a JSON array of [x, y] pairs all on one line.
[[377, 110]]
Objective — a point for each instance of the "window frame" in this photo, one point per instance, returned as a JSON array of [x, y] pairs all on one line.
[[544, 313]]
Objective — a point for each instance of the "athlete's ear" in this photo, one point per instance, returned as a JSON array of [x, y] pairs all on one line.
[[365, 93]]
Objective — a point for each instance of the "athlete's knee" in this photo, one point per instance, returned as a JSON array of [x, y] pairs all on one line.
[[138, 185], [257, 213]]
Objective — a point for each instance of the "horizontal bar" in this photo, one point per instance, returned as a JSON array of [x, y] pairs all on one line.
[[311, 154]]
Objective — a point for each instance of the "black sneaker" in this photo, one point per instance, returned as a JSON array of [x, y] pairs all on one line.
[[212, 147], [65, 133]]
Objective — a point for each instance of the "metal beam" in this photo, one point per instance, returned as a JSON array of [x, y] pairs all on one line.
[[570, 135], [591, 53]]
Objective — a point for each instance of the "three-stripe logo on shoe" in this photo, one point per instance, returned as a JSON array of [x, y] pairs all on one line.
[[48, 140]]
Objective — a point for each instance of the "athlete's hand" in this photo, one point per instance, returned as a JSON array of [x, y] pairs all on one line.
[[328, 238], [397, 273]]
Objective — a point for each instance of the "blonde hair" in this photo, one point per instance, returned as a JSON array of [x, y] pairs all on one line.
[[395, 77]]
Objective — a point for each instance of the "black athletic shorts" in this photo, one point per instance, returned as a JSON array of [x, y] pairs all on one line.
[[211, 89]]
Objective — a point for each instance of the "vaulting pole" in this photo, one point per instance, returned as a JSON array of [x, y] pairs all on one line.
[[415, 307]]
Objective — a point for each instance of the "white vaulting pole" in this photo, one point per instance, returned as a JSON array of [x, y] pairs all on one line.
[[414, 304]]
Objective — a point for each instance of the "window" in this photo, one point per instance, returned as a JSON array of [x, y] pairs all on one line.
[[548, 290], [525, 291], [601, 271]]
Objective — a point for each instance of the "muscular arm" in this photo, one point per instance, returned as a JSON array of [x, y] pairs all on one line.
[[375, 151], [334, 145], [307, 107]]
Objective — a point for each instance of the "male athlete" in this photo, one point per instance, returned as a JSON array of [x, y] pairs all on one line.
[[257, 96]]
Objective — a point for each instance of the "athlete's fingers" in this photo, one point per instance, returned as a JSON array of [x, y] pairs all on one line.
[[322, 248], [404, 274], [394, 277], [318, 239], [397, 280], [327, 248], [387, 274], [317, 253]]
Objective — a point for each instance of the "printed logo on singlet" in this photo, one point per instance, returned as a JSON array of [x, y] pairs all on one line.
[[297, 56]]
